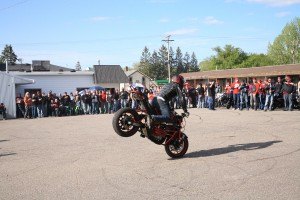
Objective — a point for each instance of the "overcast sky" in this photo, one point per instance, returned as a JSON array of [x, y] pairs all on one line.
[[116, 31]]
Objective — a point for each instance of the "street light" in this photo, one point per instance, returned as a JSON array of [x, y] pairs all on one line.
[[169, 68]]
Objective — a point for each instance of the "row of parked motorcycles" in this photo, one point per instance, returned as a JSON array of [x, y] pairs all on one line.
[[225, 100]]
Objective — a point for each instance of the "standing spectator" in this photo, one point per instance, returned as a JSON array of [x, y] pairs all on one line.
[[103, 102], [3, 110], [211, 94], [55, 107], [270, 89], [278, 87], [236, 94], [48, 103], [253, 90], [84, 103], [116, 97], [20, 106], [288, 89], [34, 106], [244, 95], [109, 100], [201, 97], [66, 101], [77, 101], [44, 105], [39, 104], [95, 103], [262, 94], [28, 105], [123, 98]]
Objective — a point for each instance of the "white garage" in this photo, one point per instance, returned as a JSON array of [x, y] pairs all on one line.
[[8, 84], [57, 82]]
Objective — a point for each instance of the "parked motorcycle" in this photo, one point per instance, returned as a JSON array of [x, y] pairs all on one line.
[[126, 122]]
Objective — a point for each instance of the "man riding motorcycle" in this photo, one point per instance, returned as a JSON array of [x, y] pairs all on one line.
[[166, 94]]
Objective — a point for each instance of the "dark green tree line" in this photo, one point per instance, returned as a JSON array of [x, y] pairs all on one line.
[[155, 64]]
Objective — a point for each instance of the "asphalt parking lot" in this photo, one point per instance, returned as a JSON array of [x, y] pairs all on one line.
[[232, 155]]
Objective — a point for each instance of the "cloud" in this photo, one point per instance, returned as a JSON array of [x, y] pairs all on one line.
[[282, 14], [100, 18], [182, 32], [212, 21], [276, 2], [164, 20]]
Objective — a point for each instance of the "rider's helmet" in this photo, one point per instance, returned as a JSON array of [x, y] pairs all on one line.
[[179, 80]]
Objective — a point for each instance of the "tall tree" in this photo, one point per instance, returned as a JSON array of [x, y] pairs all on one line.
[[78, 66], [186, 62], [163, 56], [179, 61], [194, 63], [228, 57], [145, 66], [286, 47], [9, 55], [158, 70]]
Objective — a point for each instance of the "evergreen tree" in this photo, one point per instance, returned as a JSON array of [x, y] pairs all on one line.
[[9, 55], [163, 57], [194, 63], [186, 62], [179, 61], [78, 66], [144, 65]]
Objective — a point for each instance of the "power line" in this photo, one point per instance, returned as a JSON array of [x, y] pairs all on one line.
[[13, 5]]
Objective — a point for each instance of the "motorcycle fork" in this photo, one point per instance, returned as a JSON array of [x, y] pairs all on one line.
[[174, 136]]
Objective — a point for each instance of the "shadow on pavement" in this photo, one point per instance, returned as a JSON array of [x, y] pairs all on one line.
[[230, 149], [4, 140], [7, 154]]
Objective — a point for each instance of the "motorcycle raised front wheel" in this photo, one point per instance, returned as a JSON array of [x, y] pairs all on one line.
[[123, 122]]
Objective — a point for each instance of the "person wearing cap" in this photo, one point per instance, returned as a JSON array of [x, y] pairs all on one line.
[[288, 89]]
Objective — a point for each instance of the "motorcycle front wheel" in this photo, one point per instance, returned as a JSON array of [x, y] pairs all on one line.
[[177, 147], [123, 122]]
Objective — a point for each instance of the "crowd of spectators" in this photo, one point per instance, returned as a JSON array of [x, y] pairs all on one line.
[[255, 95], [239, 95]]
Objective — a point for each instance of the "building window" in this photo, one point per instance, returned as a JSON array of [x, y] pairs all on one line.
[[143, 79], [130, 79]]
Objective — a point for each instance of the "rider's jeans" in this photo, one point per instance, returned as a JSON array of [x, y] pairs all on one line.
[[164, 109]]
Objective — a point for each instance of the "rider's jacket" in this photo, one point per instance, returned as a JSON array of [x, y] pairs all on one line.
[[171, 90]]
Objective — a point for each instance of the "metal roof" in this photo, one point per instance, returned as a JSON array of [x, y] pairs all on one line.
[[109, 74], [293, 69]]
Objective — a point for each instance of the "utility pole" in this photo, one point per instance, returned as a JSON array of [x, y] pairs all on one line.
[[169, 68], [6, 65]]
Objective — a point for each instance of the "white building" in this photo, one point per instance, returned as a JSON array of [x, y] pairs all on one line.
[[57, 82], [106, 76], [8, 85], [136, 76]]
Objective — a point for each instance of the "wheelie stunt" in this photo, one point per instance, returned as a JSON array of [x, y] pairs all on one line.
[[157, 121]]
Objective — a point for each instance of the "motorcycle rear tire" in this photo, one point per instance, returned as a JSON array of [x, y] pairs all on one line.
[[118, 127], [185, 144]]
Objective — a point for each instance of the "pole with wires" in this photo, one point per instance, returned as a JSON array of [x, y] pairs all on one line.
[[169, 67]]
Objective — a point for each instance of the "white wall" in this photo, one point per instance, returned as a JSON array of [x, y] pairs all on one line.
[[7, 94], [57, 83], [138, 78]]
